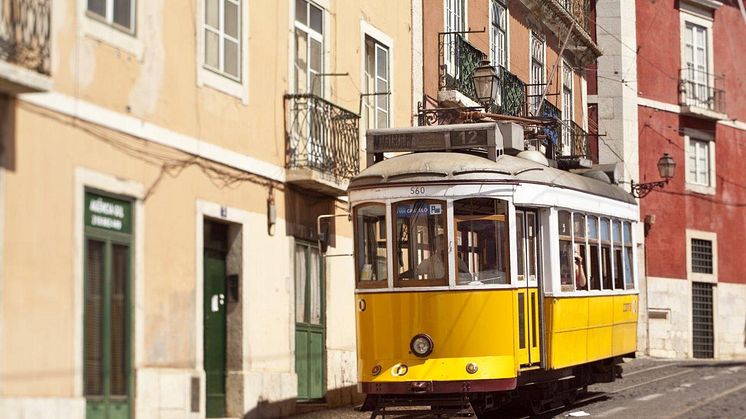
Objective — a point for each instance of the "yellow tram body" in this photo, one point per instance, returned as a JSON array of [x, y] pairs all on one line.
[[471, 278]]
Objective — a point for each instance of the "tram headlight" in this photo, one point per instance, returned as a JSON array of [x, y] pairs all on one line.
[[421, 345]]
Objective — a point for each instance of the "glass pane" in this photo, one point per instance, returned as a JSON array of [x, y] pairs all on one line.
[[382, 119], [521, 321], [616, 232], [316, 57], [578, 226], [119, 317], [301, 62], [317, 19], [230, 49], [628, 279], [566, 262], [212, 47], [520, 236], [315, 283], [627, 232], [482, 241], [301, 11], [212, 13], [618, 269], [230, 19], [98, 7], [531, 234], [123, 13], [592, 227], [94, 317], [382, 59], [300, 284], [606, 267], [564, 223], [581, 279], [605, 234], [594, 274], [421, 241], [370, 248], [370, 60]]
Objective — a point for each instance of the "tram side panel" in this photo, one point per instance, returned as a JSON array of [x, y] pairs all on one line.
[[465, 327], [587, 329]]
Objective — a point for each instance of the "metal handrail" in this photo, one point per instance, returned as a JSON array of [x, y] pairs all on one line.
[[580, 10], [25, 34], [701, 89], [321, 135]]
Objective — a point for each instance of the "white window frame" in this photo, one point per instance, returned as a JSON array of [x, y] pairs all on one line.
[[568, 109], [698, 276], [96, 27], [711, 187], [207, 77], [109, 17], [311, 34], [452, 25], [535, 101], [691, 14], [369, 31], [494, 32], [220, 32]]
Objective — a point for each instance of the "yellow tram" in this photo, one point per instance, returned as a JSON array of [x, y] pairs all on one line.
[[482, 278]]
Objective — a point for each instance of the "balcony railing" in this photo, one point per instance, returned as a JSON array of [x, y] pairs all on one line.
[[580, 10], [457, 61], [512, 99], [574, 142], [322, 136], [553, 131], [25, 33], [701, 90]]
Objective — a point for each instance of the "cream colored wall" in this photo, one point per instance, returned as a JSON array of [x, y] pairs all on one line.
[[160, 87]]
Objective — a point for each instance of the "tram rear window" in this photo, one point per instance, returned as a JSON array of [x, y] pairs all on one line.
[[370, 246], [420, 243]]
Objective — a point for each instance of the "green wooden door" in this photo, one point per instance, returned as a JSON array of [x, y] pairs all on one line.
[[107, 328], [215, 332], [309, 322]]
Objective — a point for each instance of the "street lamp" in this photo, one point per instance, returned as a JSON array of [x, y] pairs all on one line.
[[486, 83], [666, 167]]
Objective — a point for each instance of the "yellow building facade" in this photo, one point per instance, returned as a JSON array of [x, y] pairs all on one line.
[[167, 175]]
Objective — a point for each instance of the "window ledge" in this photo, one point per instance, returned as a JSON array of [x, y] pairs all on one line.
[[703, 112], [223, 84], [702, 189], [708, 4], [103, 32]]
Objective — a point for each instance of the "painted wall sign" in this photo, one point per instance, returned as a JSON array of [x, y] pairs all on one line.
[[108, 213]]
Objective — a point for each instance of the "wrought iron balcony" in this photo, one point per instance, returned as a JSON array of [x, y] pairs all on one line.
[[323, 144], [554, 131], [580, 10], [457, 61], [25, 34], [574, 142], [701, 90], [512, 94]]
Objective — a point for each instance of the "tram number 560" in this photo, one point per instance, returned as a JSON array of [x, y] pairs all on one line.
[[417, 190]]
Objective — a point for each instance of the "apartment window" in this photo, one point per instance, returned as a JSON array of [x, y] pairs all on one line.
[[698, 162], [455, 21], [537, 70], [696, 68], [701, 255], [377, 80], [222, 32], [309, 48], [498, 46], [567, 106], [118, 13]]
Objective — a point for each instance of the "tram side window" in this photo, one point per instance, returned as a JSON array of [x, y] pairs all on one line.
[[616, 236], [627, 258], [420, 244], [594, 277], [565, 251], [482, 241], [606, 254], [579, 252], [370, 246]]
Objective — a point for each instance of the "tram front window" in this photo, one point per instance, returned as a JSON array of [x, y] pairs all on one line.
[[482, 241], [370, 245], [420, 244]]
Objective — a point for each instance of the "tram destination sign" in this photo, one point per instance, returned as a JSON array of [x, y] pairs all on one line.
[[433, 138]]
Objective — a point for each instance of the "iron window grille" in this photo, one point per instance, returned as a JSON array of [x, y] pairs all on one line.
[[701, 256]]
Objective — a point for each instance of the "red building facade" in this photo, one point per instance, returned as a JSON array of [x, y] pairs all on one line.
[[691, 82]]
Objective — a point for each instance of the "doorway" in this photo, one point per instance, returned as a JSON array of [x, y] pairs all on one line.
[[309, 322], [215, 248]]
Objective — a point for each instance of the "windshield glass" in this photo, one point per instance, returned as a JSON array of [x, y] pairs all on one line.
[[482, 241], [420, 243]]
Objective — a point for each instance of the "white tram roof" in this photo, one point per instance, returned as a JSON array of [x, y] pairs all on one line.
[[449, 167]]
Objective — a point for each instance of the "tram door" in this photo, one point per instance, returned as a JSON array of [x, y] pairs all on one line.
[[527, 294]]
